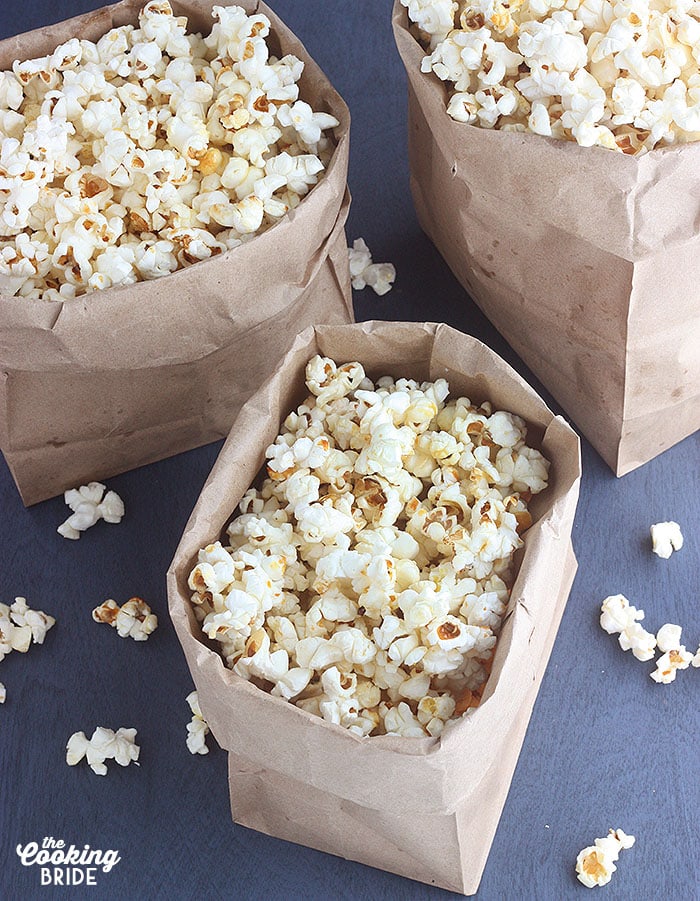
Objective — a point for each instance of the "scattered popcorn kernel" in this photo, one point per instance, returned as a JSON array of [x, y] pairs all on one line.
[[596, 864], [132, 620], [366, 580], [669, 663], [619, 616], [3, 694], [668, 637], [666, 538], [90, 504], [20, 626], [104, 745], [197, 728], [590, 72], [106, 612], [363, 272], [109, 150]]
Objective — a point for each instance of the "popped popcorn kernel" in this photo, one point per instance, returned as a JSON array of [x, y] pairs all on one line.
[[668, 664], [133, 619], [363, 272], [620, 617], [666, 538], [601, 74], [3, 693], [20, 626], [366, 579], [104, 744], [596, 864], [109, 150], [90, 503], [197, 728]]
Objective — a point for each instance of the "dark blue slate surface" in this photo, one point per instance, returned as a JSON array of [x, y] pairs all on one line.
[[606, 746]]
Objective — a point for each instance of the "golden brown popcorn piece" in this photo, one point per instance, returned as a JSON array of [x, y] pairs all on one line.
[[106, 612]]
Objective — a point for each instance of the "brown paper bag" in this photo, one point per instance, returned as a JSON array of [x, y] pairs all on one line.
[[425, 808], [586, 261], [122, 377]]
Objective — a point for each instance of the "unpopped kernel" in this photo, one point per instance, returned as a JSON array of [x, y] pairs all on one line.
[[90, 503], [367, 578], [624, 76], [364, 273], [149, 150], [104, 745], [197, 728], [133, 619], [596, 864]]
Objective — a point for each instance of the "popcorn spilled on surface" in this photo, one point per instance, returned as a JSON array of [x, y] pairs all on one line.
[[150, 150], [363, 272], [104, 745], [620, 617], [90, 504], [20, 626], [367, 579], [622, 75], [674, 655], [3, 693], [133, 619], [197, 728], [596, 864], [666, 537]]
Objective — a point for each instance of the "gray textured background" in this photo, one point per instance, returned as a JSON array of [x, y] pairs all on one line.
[[606, 745]]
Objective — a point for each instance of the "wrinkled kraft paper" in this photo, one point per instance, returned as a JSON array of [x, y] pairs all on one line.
[[425, 808], [126, 376], [586, 261]]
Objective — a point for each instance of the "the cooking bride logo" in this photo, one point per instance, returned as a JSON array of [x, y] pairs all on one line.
[[72, 865]]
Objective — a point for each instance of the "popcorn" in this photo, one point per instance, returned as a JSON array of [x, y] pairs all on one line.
[[20, 626], [675, 656], [107, 150], [366, 580], [197, 728], [103, 745], [434, 17], [363, 272], [89, 504], [307, 124], [668, 637], [624, 77], [639, 641], [133, 619], [3, 693], [666, 538], [596, 864], [619, 616]]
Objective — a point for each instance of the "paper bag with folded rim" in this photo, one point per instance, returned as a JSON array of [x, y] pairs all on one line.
[[425, 808], [125, 376], [587, 261]]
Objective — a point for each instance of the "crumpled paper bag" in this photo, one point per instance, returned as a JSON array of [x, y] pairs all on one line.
[[425, 808], [586, 261], [118, 378]]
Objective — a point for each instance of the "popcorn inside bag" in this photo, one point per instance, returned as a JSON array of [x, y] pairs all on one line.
[[620, 74], [367, 578], [150, 150]]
